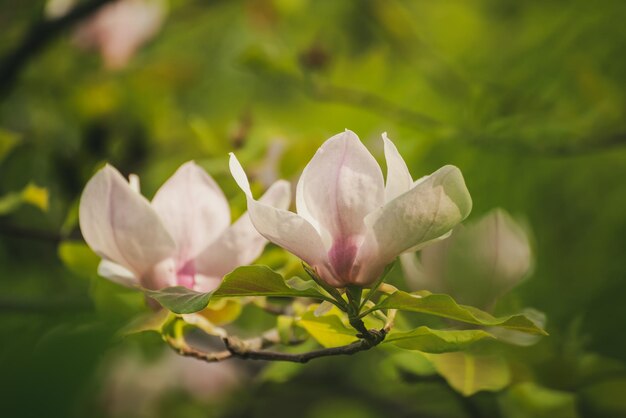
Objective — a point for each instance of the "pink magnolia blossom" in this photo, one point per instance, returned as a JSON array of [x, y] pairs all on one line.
[[349, 224], [120, 28], [477, 264], [182, 238]]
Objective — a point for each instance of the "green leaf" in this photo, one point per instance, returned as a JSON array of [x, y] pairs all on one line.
[[435, 341], [8, 141], [180, 300], [444, 306], [31, 194], [262, 281], [468, 373], [36, 196], [79, 258], [328, 330], [152, 321], [10, 203], [529, 400], [241, 282]]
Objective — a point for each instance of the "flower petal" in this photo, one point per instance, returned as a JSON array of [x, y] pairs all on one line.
[[193, 209], [341, 185], [117, 273], [241, 244], [120, 225], [399, 179], [283, 228], [426, 212]]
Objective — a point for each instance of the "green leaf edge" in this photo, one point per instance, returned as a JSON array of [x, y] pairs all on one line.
[[400, 339], [399, 299], [182, 300]]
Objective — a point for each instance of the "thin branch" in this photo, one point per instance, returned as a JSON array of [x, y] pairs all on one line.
[[43, 306], [241, 351], [38, 234], [374, 103], [38, 36], [185, 350], [254, 349], [272, 309]]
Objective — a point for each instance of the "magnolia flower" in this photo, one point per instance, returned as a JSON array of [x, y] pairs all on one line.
[[477, 264], [120, 28], [134, 386], [182, 238], [349, 224]]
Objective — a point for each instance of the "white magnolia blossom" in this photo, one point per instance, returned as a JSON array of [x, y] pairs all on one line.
[[477, 264], [349, 224], [182, 238]]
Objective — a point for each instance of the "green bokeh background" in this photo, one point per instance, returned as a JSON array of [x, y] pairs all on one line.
[[527, 98]]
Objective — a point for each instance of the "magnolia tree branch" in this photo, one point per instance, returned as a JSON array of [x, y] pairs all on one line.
[[254, 349], [38, 36]]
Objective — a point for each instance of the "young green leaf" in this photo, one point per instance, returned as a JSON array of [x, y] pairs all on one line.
[[436, 341], [328, 330], [261, 281], [180, 300], [444, 306], [152, 321], [468, 373]]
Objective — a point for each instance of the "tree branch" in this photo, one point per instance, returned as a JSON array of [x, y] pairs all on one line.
[[38, 36], [253, 349], [373, 103]]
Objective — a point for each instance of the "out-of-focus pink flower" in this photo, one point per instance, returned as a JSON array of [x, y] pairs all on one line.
[[182, 238], [350, 224], [133, 386], [477, 264], [120, 28]]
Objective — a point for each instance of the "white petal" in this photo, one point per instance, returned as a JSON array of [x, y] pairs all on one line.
[[193, 209], [283, 228], [399, 179], [341, 185], [241, 244], [120, 225], [429, 210], [135, 184], [117, 273]]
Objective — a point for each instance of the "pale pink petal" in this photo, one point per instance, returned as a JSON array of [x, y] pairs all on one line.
[[193, 209], [120, 28], [341, 184], [241, 244], [117, 273], [426, 212], [285, 229], [399, 179], [120, 225]]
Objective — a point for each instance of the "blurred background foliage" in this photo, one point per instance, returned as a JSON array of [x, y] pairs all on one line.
[[527, 98]]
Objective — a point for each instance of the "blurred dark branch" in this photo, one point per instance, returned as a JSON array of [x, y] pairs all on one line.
[[40, 34], [38, 235], [254, 349], [578, 147], [43, 307], [374, 103], [421, 121]]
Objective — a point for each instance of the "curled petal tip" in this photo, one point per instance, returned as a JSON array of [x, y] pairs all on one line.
[[239, 174]]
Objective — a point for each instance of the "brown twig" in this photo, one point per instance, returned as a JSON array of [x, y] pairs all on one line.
[[361, 345], [254, 349]]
